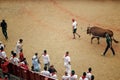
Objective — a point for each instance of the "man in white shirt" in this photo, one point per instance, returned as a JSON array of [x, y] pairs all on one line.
[[45, 72], [74, 25], [2, 53], [36, 63], [89, 74], [73, 75], [14, 59], [19, 46], [67, 63], [46, 59], [65, 76], [83, 77]]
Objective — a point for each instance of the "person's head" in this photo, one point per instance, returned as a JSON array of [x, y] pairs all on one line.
[[107, 34], [89, 69], [66, 73], [73, 20], [67, 53], [14, 55], [45, 51], [45, 68], [2, 49], [84, 73], [21, 40], [3, 20], [36, 54], [72, 72], [92, 77]]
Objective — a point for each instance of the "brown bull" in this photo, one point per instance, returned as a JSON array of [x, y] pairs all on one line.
[[98, 32]]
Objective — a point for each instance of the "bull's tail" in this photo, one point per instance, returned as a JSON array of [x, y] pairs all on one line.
[[115, 40]]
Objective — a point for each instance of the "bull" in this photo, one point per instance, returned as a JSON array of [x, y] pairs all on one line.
[[98, 32]]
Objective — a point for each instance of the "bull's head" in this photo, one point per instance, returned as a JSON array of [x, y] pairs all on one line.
[[88, 30]]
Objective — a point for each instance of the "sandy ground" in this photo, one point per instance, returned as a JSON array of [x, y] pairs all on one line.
[[46, 24]]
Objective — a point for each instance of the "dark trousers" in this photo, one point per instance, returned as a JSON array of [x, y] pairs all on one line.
[[5, 33], [108, 46]]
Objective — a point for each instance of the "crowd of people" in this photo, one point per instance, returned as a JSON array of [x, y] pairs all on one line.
[[17, 57]]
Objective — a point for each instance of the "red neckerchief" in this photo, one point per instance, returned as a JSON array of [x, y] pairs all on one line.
[[83, 77]]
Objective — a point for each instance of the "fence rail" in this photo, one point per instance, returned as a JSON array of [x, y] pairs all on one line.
[[24, 74]]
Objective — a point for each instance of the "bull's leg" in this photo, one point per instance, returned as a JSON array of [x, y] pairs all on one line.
[[98, 38], [92, 39]]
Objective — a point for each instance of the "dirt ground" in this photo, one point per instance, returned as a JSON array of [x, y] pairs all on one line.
[[46, 24]]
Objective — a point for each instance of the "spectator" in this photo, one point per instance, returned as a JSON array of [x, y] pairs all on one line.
[[83, 77], [46, 59], [24, 64], [53, 75], [67, 63], [3, 53], [73, 75], [6, 77], [14, 59], [45, 72], [89, 74], [4, 67], [66, 76], [21, 56], [92, 77], [52, 69], [2, 45], [19, 46], [36, 63]]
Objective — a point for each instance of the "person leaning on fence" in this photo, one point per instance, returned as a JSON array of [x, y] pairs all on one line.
[[83, 76], [65, 76], [4, 67], [4, 29], [3, 53], [45, 72], [73, 76], [14, 59]]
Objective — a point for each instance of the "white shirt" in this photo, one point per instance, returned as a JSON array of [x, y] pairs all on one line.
[[35, 62], [66, 60], [74, 24], [14, 60], [83, 79], [88, 75], [46, 58], [74, 77], [54, 76], [64, 77], [3, 54], [18, 47], [45, 73]]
